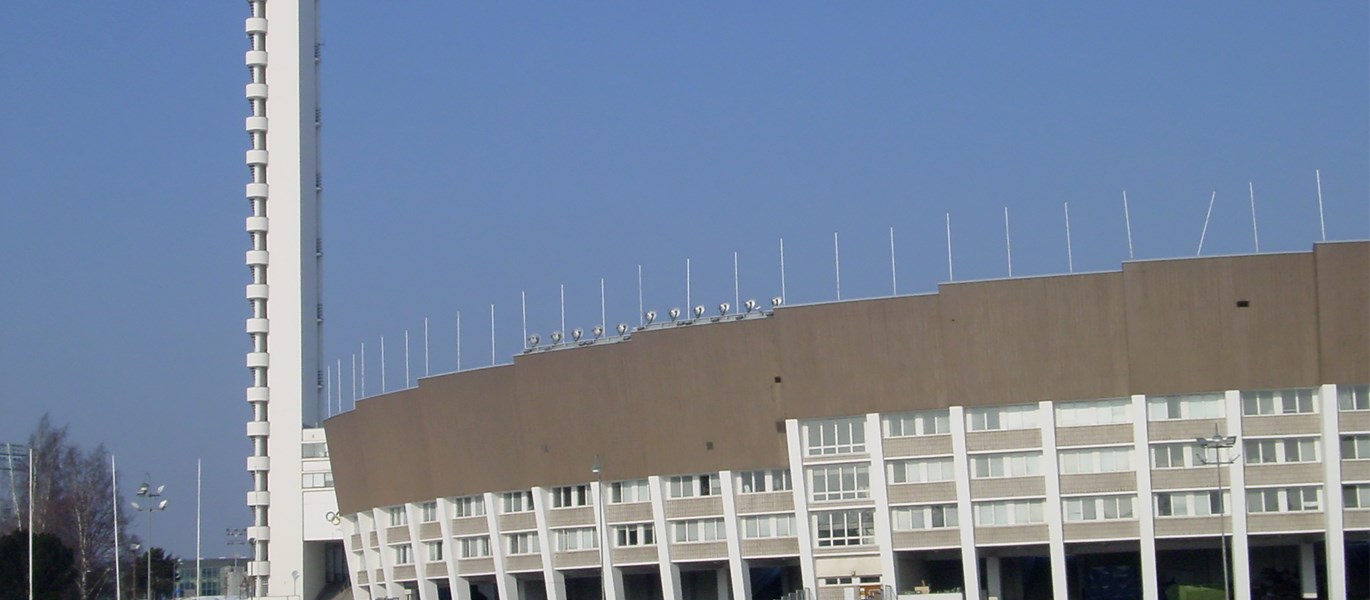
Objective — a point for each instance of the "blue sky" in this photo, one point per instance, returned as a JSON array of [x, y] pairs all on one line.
[[476, 150]]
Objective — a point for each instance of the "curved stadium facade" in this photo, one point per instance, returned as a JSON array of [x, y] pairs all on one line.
[[1034, 437]]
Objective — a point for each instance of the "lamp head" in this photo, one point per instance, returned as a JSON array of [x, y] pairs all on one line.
[[699, 310], [577, 333], [651, 316], [143, 489], [723, 308], [674, 314], [533, 340], [775, 302], [556, 337], [622, 328], [597, 331], [750, 305]]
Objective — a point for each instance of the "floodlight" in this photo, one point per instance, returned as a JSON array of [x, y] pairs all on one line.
[[597, 331], [577, 333], [533, 340], [750, 305], [556, 337], [674, 313], [136, 506], [651, 316], [776, 301], [162, 505], [699, 310], [622, 328], [723, 308], [143, 489]]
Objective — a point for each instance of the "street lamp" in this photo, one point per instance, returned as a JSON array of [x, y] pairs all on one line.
[[1218, 443], [236, 537], [598, 471], [134, 549], [153, 505]]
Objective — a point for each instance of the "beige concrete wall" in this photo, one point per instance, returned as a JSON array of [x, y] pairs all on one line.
[[430, 531], [523, 563], [1355, 470], [576, 559], [1281, 425], [632, 556], [980, 441], [1349, 421], [926, 445], [699, 551], [518, 522], [1356, 519], [397, 534], [910, 493], [694, 507], [470, 526], [1272, 522], [1098, 483], [1189, 526], [1099, 435], [1182, 430], [770, 547], [936, 538], [435, 569], [405, 573], [476, 566], [1011, 534], [1186, 479], [637, 512], [1259, 475], [565, 517], [1101, 530], [768, 502], [1008, 487]]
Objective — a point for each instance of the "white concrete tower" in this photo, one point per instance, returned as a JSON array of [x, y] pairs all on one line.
[[286, 310]]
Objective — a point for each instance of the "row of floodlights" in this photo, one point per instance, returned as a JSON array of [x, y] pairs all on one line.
[[649, 317]]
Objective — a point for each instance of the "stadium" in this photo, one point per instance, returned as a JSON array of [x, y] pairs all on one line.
[[1120, 434]]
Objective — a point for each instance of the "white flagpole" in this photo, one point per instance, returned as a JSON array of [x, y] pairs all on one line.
[[338, 374], [523, 308], [737, 294], [1008, 243], [1070, 255], [1321, 223], [951, 274], [783, 299], [1204, 233], [114, 501], [1255, 235], [458, 340], [603, 322], [382, 364], [363, 370], [640, 315], [688, 299], [492, 335], [198, 474], [328, 375], [1127, 220], [406, 359], [563, 310], [837, 265], [894, 273], [354, 380], [425, 346]]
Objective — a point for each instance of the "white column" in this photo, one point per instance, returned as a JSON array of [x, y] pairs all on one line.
[[884, 529], [551, 577], [994, 578], [1051, 469], [610, 580], [371, 557], [1146, 512], [670, 573], [381, 520], [461, 589], [504, 583], [800, 489], [1308, 571], [354, 563], [1241, 549], [741, 575], [1332, 500], [427, 589], [970, 564]]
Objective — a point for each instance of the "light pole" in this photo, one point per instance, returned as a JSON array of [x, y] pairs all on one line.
[[236, 537], [598, 471], [1218, 443], [134, 549], [153, 505]]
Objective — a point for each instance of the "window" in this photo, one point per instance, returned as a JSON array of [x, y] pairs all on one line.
[[916, 518], [569, 540], [571, 496], [689, 486], [522, 543], [1095, 412], [921, 470], [1189, 504], [640, 534], [1268, 451], [314, 450], [1353, 397], [312, 481], [428, 512], [474, 547], [839, 482], [1192, 406], [835, 436], [1009, 512], [1278, 402], [994, 418], [469, 506], [515, 502], [398, 516], [1294, 499], [1171, 456], [625, 492], [403, 553], [1355, 447], [768, 526], [433, 551], [845, 528], [1099, 508], [1096, 460], [755, 482], [698, 530], [1356, 495], [1014, 464], [864, 579], [935, 422]]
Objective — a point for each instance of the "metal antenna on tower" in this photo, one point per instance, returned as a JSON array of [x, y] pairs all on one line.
[[382, 364], [458, 340], [406, 359], [492, 335], [640, 317], [425, 346], [687, 285]]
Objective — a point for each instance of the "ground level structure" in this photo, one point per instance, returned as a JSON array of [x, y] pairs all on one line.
[[1019, 438]]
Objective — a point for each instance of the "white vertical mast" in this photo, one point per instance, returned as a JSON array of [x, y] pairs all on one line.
[[1322, 224], [1127, 220], [1008, 243]]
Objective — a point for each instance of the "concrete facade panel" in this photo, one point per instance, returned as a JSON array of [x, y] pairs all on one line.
[[1007, 487], [637, 512], [694, 507], [1100, 435], [566, 517], [770, 547], [1281, 425], [476, 566], [523, 521], [1343, 311], [1011, 534], [920, 493], [699, 551], [576, 560], [931, 445], [634, 556], [914, 540], [1184, 479], [1258, 475], [1098, 483], [1268, 523], [470, 526], [983, 441], [1353, 421], [765, 503], [1185, 430], [1100, 530], [523, 563]]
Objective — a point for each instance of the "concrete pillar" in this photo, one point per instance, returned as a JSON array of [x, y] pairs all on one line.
[[741, 578], [884, 529], [670, 573], [1051, 469], [504, 582], [1241, 549], [803, 526], [1146, 511], [1332, 493], [970, 564], [552, 578]]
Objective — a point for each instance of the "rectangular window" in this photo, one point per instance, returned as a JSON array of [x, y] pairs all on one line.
[[923, 470], [316, 480], [1355, 447], [516, 502], [698, 530], [433, 551], [1013, 464], [571, 496], [1099, 508], [839, 482], [314, 450], [627, 492], [469, 506], [428, 512], [1278, 402], [917, 518], [522, 543], [398, 516], [689, 486], [474, 547], [1191, 406], [1189, 504], [640, 534], [755, 482], [570, 540], [403, 553], [1095, 460], [1288, 450], [768, 526], [1009, 512], [1356, 495], [1172, 456], [1294, 499], [1353, 397], [935, 422], [844, 528], [835, 436], [1094, 412], [1002, 418]]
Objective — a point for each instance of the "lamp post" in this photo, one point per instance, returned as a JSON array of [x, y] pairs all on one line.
[[236, 537], [1218, 443], [598, 471], [146, 491], [134, 549]]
